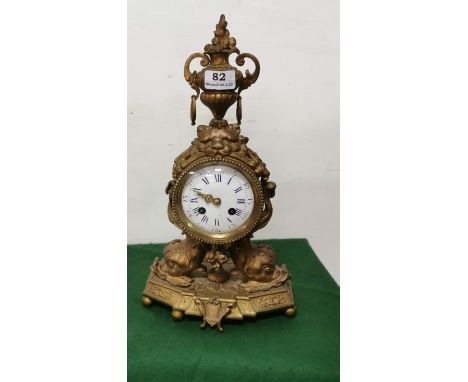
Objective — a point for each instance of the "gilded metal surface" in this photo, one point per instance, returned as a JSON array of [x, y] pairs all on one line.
[[220, 275], [216, 57], [222, 141], [209, 300], [213, 311]]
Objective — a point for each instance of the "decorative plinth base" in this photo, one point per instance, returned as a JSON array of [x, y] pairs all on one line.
[[214, 301]]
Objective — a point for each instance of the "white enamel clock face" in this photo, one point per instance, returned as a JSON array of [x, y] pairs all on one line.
[[217, 198]]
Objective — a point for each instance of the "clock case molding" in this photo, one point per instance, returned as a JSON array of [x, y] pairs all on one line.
[[230, 278]]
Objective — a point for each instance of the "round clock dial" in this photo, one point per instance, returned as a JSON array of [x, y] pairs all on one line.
[[218, 201]]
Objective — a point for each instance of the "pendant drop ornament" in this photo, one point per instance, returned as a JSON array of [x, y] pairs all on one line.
[[193, 110], [219, 195], [239, 110]]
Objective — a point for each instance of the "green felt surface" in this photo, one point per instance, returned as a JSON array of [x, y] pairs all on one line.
[[269, 348]]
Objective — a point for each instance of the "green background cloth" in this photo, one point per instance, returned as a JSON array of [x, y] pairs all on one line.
[[270, 347]]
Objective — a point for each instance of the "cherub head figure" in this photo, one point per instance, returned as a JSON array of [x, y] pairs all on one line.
[[180, 257], [260, 264]]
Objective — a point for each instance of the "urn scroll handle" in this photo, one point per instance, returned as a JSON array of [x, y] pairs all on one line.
[[190, 77], [248, 80]]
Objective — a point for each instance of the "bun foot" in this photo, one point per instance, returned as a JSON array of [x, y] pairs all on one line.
[[147, 301], [177, 315], [290, 312]]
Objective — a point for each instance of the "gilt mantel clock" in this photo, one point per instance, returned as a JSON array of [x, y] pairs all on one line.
[[219, 195]]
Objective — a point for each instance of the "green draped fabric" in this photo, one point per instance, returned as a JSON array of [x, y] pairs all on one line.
[[269, 348]]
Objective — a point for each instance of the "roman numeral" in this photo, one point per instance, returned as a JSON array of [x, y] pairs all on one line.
[[240, 201], [194, 200], [218, 178], [205, 180], [237, 189], [195, 210], [196, 189], [217, 222], [204, 219], [238, 211], [229, 181]]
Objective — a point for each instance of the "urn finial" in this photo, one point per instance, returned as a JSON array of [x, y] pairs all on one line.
[[222, 42]]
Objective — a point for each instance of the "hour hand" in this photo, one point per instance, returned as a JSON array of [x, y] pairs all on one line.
[[209, 198]]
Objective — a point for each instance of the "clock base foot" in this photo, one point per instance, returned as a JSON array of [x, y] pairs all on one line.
[[215, 302], [290, 312], [177, 315], [147, 301]]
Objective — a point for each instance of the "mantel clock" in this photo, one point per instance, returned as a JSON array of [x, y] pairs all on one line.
[[219, 195]]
